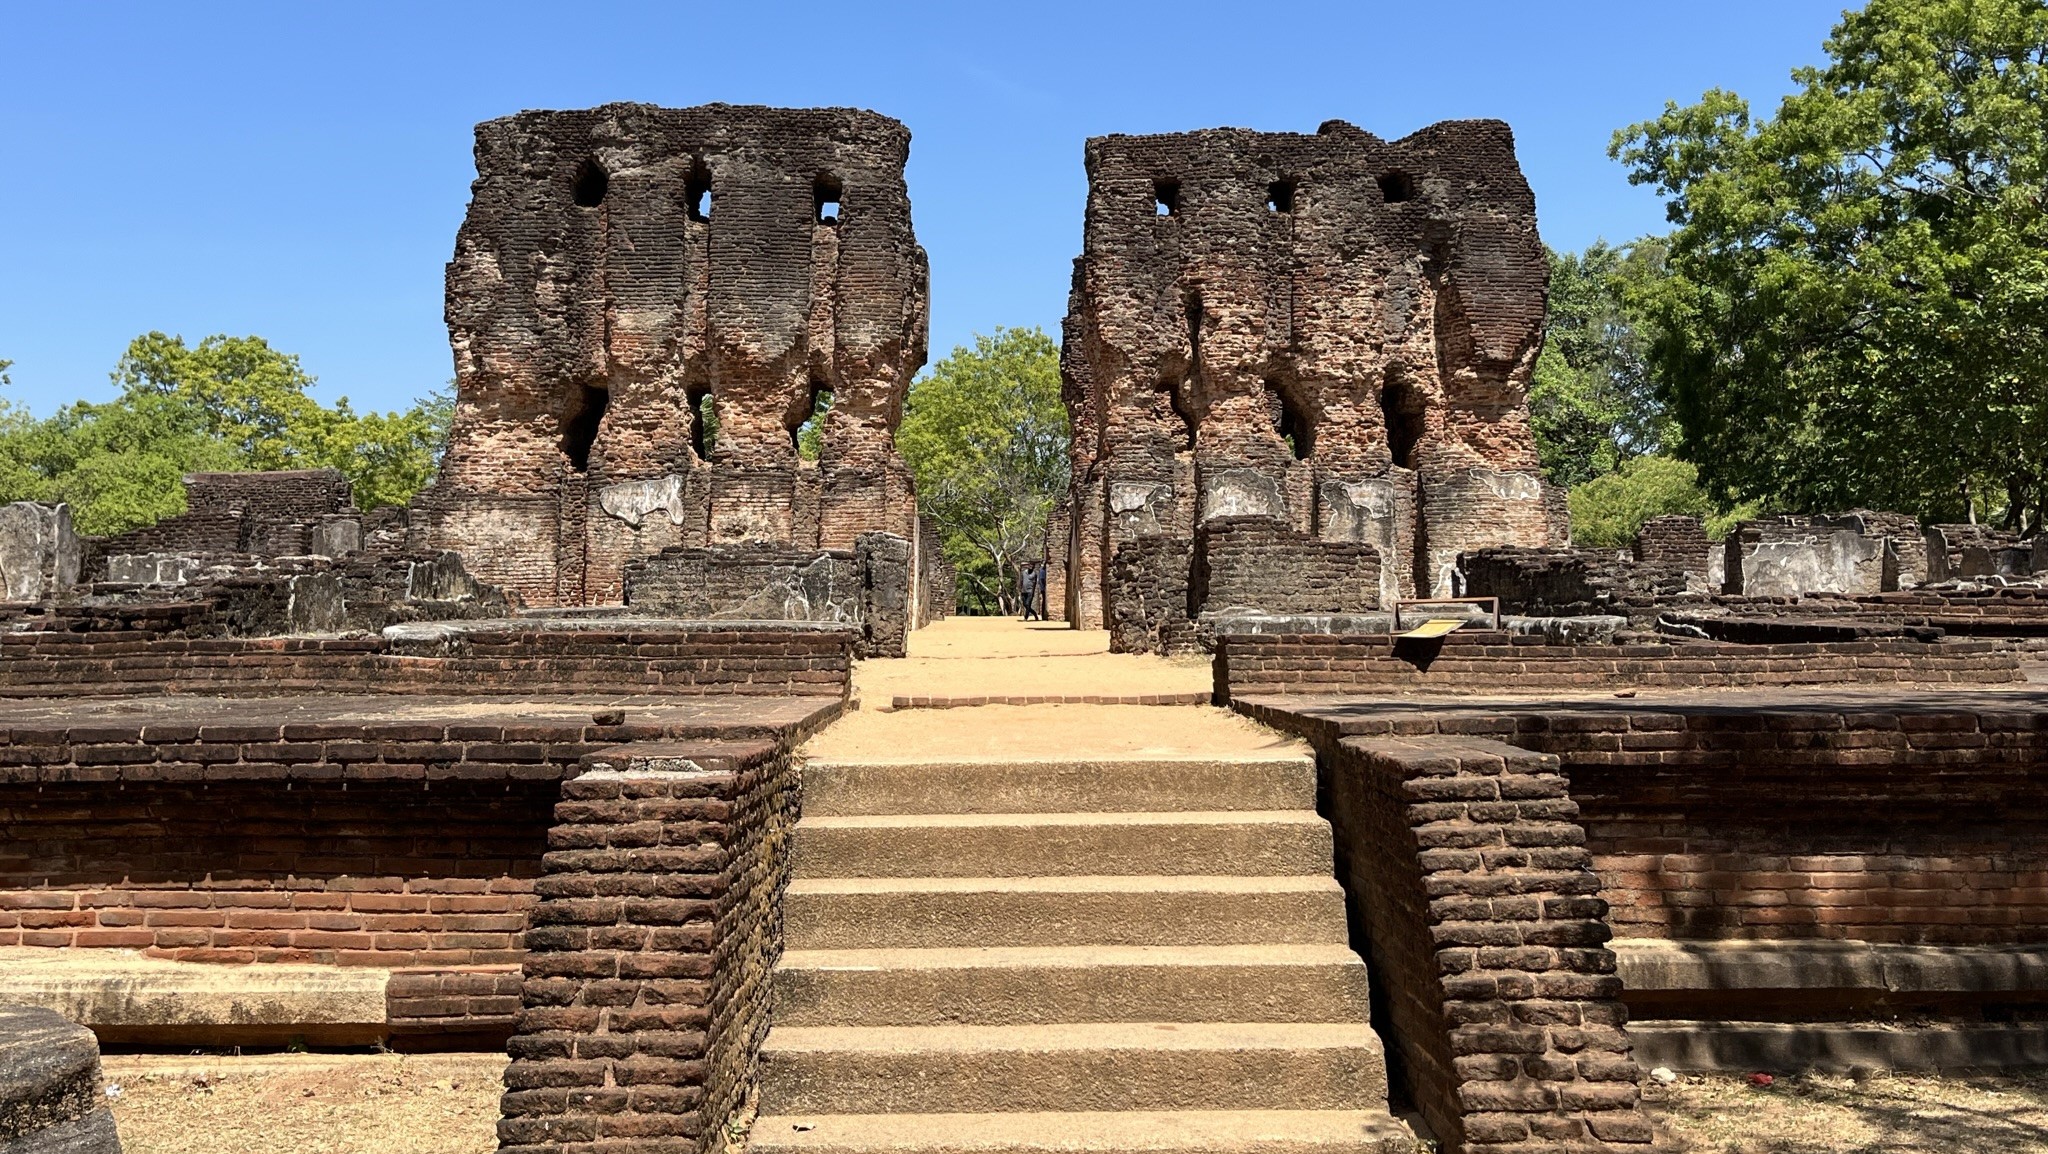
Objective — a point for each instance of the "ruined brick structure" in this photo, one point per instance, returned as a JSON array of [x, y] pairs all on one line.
[[625, 271], [1330, 330]]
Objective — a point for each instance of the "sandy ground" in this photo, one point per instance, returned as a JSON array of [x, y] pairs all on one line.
[[983, 656], [306, 1103], [1821, 1114], [448, 1104], [1050, 731]]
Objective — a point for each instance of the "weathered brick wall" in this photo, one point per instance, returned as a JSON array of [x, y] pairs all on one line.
[[813, 661], [938, 582], [1149, 612], [1489, 662], [646, 981], [867, 587], [1329, 329], [1880, 825], [1674, 540], [272, 514], [1482, 919], [622, 267], [218, 869], [1258, 562], [1572, 582]]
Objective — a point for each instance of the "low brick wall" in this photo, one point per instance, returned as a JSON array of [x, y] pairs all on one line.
[[1329, 663], [1482, 921], [755, 660], [647, 978]]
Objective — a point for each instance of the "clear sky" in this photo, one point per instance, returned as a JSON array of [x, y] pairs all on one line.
[[297, 171]]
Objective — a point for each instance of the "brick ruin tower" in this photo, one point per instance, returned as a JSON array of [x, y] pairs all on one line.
[[629, 278], [1329, 336]]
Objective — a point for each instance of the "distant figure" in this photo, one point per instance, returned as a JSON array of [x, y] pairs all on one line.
[[1038, 589], [1027, 589]]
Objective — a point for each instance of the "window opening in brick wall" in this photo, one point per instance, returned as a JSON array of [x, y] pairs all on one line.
[[1396, 187], [697, 191], [590, 184], [825, 193], [1280, 196], [703, 424], [1165, 197], [1402, 405], [579, 428], [1291, 420], [808, 436]]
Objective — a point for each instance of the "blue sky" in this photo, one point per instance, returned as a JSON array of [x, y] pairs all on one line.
[[298, 171]]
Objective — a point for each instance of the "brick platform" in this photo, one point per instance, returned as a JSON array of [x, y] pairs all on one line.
[[1482, 662]]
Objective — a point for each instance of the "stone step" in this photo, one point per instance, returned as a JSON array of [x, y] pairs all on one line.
[[1281, 780], [1117, 1132], [1017, 986], [1087, 1067], [926, 913], [1246, 842]]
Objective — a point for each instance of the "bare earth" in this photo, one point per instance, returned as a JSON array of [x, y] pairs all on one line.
[[448, 1104], [307, 1103], [1892, 1114]]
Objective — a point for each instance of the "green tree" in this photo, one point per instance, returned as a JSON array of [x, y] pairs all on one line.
[[228, 403], [1608, 510], [986, 435], [1591, 403], [1856, 305]]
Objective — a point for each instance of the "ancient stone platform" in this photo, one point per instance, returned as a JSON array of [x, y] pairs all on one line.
[[50, 1100]]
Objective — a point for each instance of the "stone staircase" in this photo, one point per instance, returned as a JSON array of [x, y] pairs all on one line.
[[1008, 957]]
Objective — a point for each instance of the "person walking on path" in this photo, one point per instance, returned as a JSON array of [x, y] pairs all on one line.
[[1038, 589], [1027, 588]]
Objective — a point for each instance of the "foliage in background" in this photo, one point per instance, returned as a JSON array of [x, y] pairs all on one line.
[[227, 403], [1607, 511], [1856, 305], [986, 435], [1591, 403]]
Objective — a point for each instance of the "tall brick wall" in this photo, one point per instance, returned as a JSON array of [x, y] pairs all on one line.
[[621, 268], [1332, 330]]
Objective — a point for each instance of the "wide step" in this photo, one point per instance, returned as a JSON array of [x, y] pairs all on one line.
[[1105, 1067], [1264, 983], [1122, 1132], [1284, 780], [1254, 842], [925, 913]]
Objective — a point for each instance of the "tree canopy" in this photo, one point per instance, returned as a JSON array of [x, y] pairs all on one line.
[[1591, 403], [226, 403], [986, 435], [1855, 310]]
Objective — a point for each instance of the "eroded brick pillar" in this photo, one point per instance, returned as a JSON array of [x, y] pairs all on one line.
[[644, 1000]]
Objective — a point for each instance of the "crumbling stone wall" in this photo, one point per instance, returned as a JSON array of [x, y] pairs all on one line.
[[1856, 553], [281, 513], [623, 270], [39, 552], [1259, 563], [1573, 582], [867, 586], [1675, 540], [1331, 330]]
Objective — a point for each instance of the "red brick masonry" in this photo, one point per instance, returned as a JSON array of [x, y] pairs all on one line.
[[1475, 662], [699, 660], [646, 984]]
